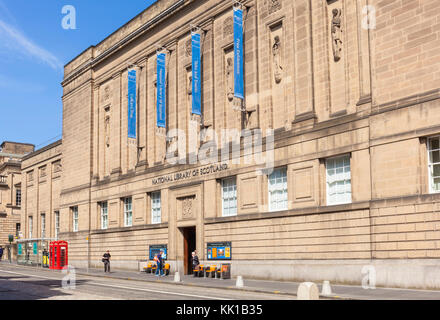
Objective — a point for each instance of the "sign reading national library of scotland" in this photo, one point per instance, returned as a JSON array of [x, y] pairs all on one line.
[[191, 173]]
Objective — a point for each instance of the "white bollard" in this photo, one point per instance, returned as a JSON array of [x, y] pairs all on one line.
[[326, 288], [177, 277], [308, 291], [239, 283]]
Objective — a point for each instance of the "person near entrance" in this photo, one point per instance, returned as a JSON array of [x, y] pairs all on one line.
[[106, 259], [1, 253], [159, 261], [195, 261]]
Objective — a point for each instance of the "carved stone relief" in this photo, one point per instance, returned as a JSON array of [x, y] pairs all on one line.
[[336, 30], [228, 27], [277, 59], [274, 5], [229, 76], [187, 207], [188, 48]]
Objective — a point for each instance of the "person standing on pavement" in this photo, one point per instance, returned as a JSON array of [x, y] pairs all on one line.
[[106, 259], [195, 261], [1, 253], [159, 269]]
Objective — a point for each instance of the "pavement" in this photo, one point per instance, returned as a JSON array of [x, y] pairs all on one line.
[[339, 291]]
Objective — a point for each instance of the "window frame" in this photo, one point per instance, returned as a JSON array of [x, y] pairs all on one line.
[[57, 223], [431, 165], [43, 225], [103, 205], [75, 219], [269, 196], [30, 226], [327, 187], [18, 197], [156, 210], [229, 199], [126, 212]]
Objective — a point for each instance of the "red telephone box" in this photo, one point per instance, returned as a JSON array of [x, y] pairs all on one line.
[[58, 255]]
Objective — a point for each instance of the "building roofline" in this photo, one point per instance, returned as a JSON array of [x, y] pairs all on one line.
[[94, 60], [21, 143], [39, 151]]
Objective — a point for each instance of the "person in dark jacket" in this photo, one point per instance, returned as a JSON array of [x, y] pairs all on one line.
[[1, 253], [195, 261], [106, 259]]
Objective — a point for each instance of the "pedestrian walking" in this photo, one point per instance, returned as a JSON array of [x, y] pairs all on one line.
[[1, 253], [106, 259], [159, 269]]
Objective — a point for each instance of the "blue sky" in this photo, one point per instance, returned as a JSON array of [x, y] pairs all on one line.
[[33, 50]]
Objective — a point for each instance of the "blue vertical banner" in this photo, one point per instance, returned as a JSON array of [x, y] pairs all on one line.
[[238, 53], [132, 104], [161, 90], [196, 74]]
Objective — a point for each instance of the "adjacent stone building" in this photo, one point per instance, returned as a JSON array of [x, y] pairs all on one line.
[[351, 90], [11, 155]]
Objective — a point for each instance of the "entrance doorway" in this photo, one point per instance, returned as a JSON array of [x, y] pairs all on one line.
[[189, 245]]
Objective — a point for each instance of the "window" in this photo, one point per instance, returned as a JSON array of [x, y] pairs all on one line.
[[104, 215], [75, 218], [128, 213], [57, 224], [18, 197], [338, 180], [43, 225], [278, 190], [434, 164], [229, 197], [156, 213], [17, 230], [31, 226]]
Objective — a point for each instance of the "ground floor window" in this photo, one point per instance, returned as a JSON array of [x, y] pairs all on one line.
[[338, 180], [434, 164], [57, 223], [75, 218], [156, 211], [229, 197], [104, 215], [31, 226], [128, 212], [278, 190]]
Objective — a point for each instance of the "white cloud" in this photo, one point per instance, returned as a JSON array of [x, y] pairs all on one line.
[[14, 40]]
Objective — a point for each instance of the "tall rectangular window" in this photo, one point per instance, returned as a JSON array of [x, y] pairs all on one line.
[[104, 215], [18, 197], [156, 209], [17, 229], [128, 212], [434, 164], [57, 224], [338, 180], [31, 226], [43, 225], [278, 199], [75, 218], [229, 197]]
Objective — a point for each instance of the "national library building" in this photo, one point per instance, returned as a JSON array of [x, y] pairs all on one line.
[[296, 140]]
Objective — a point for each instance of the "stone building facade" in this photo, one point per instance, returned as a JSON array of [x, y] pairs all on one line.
[[351, 90], [11, 155], [41, 189]]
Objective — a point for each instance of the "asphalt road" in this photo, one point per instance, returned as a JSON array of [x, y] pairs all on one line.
[[23, 283]]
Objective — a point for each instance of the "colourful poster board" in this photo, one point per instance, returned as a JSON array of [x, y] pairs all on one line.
[[155, 249], [219, 251]]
